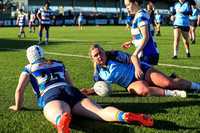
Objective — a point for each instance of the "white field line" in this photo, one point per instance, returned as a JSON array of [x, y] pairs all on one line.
[[160, 64]]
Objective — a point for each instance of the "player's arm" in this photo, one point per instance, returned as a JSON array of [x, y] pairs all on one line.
[[38, 17], [145, 32], [127, 45], [138, 71], [17, 20], [19, 93], [68, 79]]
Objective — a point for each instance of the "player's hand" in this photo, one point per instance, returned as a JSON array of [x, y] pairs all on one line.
[[179, 12], [14, 107], [87, 91], [139, 74], [172, 18], [126, 45]]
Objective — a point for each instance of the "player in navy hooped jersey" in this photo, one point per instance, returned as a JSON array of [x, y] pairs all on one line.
[[58, 97], [44, 21], [21, 20], [142, 31]]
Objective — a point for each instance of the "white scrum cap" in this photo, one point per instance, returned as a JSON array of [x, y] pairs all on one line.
[[34, 53]]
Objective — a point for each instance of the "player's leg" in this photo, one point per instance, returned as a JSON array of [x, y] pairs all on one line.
[[193, 34], [20, 31], [58, 113], [185, 35], [158, 29], [177, 33], [81, 25], [40, 33], [46, 34], [30, 28], [156, 78], [90, 109]]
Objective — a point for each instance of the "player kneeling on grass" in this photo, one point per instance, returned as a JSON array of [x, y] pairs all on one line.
[[59, 99], [137, 77]]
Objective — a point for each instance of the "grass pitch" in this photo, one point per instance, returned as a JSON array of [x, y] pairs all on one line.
[[169, 113]]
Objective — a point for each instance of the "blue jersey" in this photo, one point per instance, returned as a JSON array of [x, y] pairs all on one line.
[[45, 15], [44, 77], [195, 13], [21, 19], [80, 19], [128, 19], [141, 19], [118, 71], [158, 18], [182, 19]]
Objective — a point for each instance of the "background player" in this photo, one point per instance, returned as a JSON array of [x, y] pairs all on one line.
[[80, 21], [44, 21], [58, 98], [128, 22], [32, 22], [180, 16], [158, 22], [21, 20]]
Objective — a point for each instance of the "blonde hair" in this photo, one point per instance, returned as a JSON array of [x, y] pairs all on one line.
[[100, 48]]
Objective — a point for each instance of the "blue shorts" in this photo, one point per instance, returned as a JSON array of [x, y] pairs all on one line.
[[68, 94], [144, 67], [151, 59]]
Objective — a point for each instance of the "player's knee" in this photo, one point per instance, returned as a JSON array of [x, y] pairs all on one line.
[[144, 91]]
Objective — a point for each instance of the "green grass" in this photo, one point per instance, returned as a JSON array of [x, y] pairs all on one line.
[[170, 114]]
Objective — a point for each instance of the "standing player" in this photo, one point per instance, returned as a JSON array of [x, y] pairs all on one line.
[[143, 34], [158, 22], [128, 22], [181, 10], [194, 21], [80, 21], [58, 97], [44, 21], [32, 22], [21, 20]]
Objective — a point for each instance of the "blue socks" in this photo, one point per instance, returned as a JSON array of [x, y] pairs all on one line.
[[119, 116], [57, 120]]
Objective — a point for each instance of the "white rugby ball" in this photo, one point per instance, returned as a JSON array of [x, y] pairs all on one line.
[[102, 88]]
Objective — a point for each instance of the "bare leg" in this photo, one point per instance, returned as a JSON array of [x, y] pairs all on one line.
[[90, 109], [55, 108], [177, 33]]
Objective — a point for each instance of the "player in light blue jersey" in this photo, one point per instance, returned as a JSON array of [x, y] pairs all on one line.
[[128, 22], [158, 22], [194, 21], [44, 16], [180, 16], [80, 21], [142, 33], [139, 78], [32, 22], [21, 20], [58, 98]]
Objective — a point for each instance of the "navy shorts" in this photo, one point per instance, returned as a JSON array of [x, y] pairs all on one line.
[[151, 59], [183, 28], [68, 94], [193, 23], [145, 67]]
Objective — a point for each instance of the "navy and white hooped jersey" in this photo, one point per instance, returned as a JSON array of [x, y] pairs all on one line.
[[141, 19], [181, 19], [158, 18], [32, 16], [21, 19], [44, 77], [45, 15], [195, 13]]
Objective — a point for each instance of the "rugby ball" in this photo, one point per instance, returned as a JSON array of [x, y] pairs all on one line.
[[102, 88]]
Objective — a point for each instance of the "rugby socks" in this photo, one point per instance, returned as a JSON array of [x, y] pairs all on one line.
[[187, 51], [57, 120], [40, 34], [30, 29], [175, 53], [195, 86], [119, 116]]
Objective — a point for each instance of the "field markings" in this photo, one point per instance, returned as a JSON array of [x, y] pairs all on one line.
[[82, 56]]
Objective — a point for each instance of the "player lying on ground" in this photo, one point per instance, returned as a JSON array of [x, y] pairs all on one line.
[[59, 99], [137, 77]]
